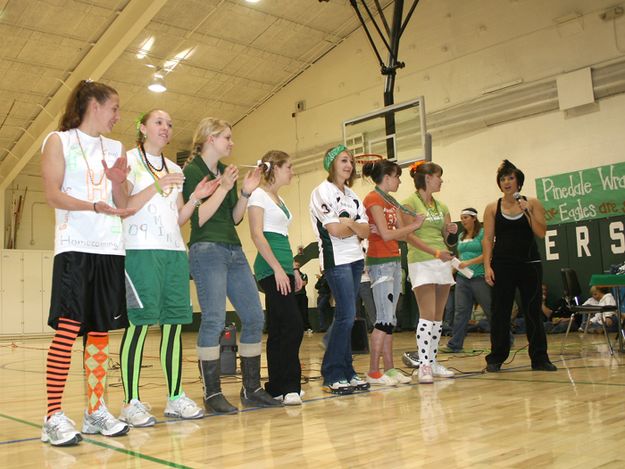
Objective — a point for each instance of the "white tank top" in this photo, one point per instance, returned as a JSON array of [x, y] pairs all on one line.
[[87, 231]]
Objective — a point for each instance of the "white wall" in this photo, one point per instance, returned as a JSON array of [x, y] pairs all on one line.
[[453, 49]]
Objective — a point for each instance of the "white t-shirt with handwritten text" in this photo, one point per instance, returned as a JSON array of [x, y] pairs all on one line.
[[84, 179], [155, 225]]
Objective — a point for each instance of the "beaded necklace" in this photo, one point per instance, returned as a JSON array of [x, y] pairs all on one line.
[[394, 202], [89, 170], [153, 170], [431, 215]]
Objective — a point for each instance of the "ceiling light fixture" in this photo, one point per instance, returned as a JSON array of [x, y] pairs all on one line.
[[252, 1], [145, 48], [169, 65], [158, 84]]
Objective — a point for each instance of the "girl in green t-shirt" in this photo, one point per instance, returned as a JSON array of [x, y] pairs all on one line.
[[429, 265]]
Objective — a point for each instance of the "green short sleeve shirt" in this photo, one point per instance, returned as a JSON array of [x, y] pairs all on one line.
[[220, 228]]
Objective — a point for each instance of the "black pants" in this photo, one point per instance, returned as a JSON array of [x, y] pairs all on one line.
[[285, 332], [527, 277], [302, 306]]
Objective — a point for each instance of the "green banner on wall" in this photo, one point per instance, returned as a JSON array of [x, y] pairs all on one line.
[[586, 194]]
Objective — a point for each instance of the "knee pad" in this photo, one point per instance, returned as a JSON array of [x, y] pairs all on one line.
[[384, 327]]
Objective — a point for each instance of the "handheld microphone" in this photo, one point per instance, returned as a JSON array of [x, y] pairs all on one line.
[[517, 196]]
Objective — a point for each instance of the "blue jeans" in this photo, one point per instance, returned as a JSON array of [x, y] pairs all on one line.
[[218, 270], [344, 281], [386, 286], [468, 292]]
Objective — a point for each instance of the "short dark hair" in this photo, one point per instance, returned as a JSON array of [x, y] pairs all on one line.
[[506, 168]]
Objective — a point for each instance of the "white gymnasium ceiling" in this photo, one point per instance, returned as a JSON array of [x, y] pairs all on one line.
[[232, 56]]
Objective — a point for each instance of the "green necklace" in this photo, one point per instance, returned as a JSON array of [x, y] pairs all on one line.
[[431, 215]]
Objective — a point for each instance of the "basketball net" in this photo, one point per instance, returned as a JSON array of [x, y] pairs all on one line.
[[364, 158]]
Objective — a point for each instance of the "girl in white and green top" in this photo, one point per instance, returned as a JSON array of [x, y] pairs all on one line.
[[157, 267], [269, 223], [429, 265]]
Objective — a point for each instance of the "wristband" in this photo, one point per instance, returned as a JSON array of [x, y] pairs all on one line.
[[437, 254], [245, 194], [452, 239], [95, 209], [196, 202]]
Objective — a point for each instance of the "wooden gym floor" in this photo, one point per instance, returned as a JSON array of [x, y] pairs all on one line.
[[517, 418]]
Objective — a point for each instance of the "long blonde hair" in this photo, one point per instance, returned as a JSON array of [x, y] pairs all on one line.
[[207, 127]]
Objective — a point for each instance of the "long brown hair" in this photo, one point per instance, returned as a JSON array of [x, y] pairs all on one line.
[[79, 101], [477, 225], [418, 174], [207, 127], [332, 171]]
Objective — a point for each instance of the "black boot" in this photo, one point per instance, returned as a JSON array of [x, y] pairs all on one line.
[[252, 394], [214, 400]]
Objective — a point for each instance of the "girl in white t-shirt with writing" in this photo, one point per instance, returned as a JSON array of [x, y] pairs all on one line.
[[157, 267]]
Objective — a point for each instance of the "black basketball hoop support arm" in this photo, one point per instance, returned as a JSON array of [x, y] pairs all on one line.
[[391, 41]]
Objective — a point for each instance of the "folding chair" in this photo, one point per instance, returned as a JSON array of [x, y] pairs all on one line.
[[572, 293]]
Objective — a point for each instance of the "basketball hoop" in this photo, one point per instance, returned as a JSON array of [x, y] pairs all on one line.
[[363, 158]]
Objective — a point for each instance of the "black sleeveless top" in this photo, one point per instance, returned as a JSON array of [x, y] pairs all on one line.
[[514, 240]]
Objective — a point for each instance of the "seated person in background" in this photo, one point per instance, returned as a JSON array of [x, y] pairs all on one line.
[[601, 296], [556, 316]]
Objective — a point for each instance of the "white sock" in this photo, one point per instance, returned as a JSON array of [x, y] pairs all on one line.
[[424, 339], [437, 330]]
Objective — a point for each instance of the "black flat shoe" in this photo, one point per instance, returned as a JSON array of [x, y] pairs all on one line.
[[493, 367], [546, 366]]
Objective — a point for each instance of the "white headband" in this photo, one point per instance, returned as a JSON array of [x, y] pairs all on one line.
[[473, 213]]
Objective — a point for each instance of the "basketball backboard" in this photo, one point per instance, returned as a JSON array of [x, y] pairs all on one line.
[[397, 132]]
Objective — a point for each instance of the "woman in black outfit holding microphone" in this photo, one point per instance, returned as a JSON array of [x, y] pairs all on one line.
[[511, 261]]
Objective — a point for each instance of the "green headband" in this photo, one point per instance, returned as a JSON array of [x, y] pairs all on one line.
[[329, 158]]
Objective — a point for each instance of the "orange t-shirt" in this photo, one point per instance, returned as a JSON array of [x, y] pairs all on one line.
[[379, 250]]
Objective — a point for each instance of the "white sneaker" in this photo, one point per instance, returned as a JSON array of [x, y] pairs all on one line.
[[440, 371], [59, 430], [339, 387], [102, 422], [384, 380], [292, 398], [183, 408], [425, 374], [136, 414], [359, 384], [399, 376], [280, 398]]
